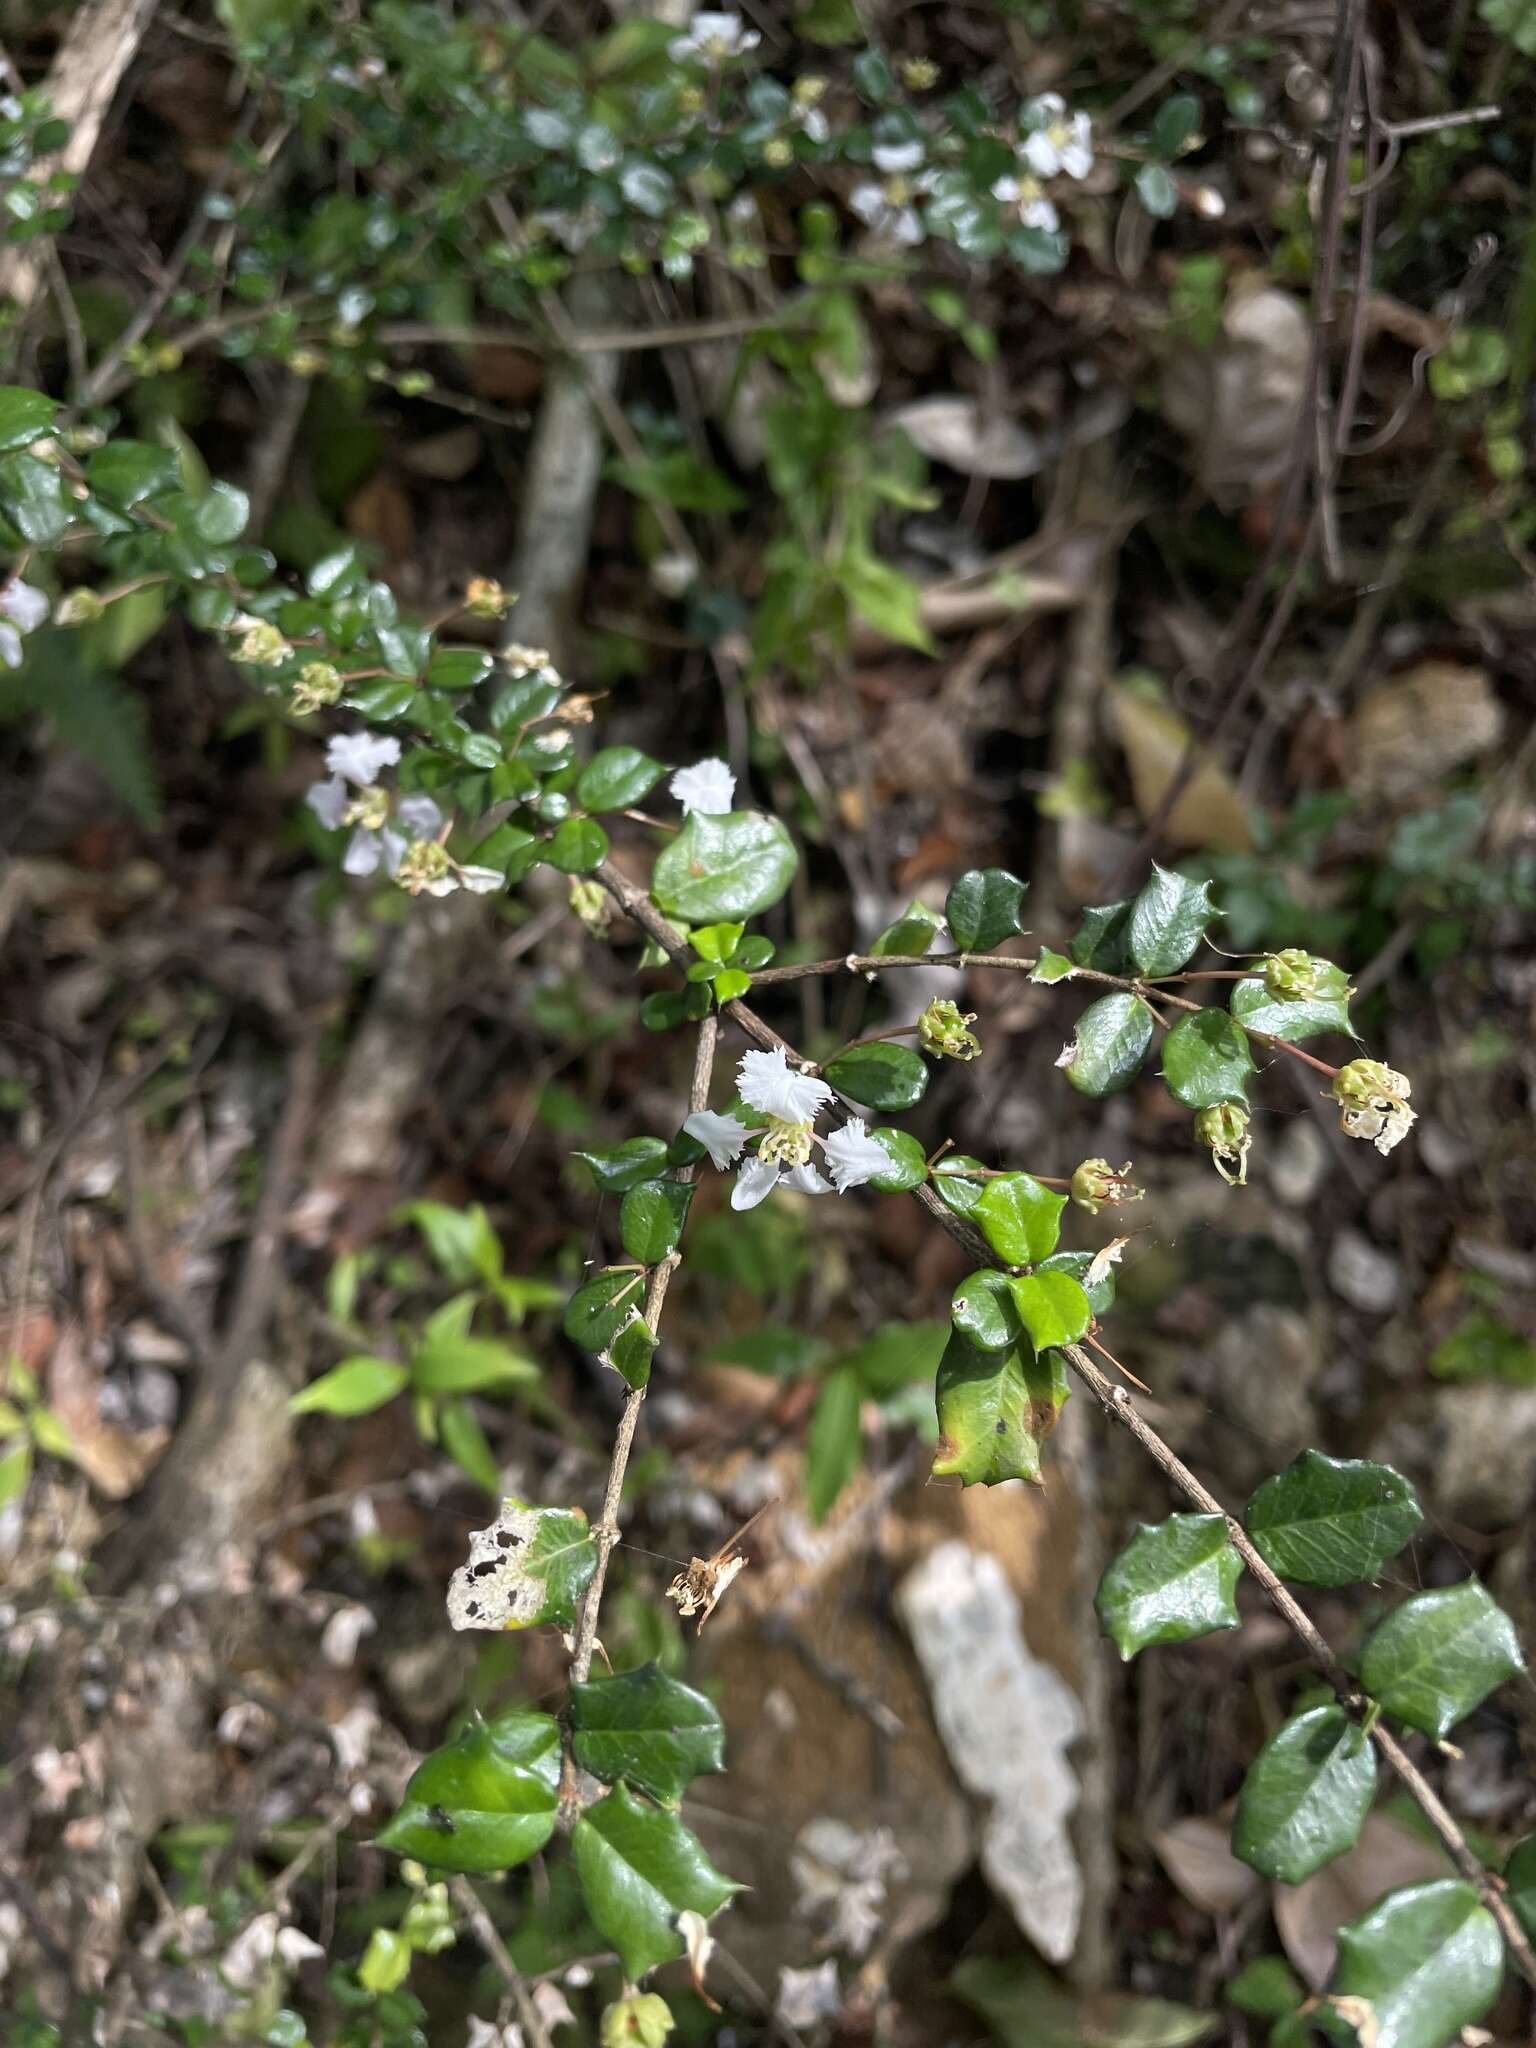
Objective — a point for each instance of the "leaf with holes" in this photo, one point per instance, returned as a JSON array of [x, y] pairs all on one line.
[[1332, 1521], [995, 1412], [982, 908], [729, 866], [1168, 921], [1254, 1007], [1110, 1044], [639, 1869], [1206, 1060], [1413, 1971], [531, 1566], [1052, 1307], [1173, 1581], [883, 1076], [1306, 1795], [1019, 1218], [1439, 1655], [651, 1729], [484, 1802]]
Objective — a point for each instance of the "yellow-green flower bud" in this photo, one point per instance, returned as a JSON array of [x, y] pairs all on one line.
[[1096, 1183], [1373, 1103], [642, 2020], [307, 362], [918, 74], [80, 608], [810, 89], [484, 598], [319, 683], [414, 383], [261, 645], [777, 153], [423, 863], [1224, 1129], [591, 902], [1294, 976], [941, 1031]]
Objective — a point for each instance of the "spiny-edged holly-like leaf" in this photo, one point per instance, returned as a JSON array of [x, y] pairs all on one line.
[[1110, 1044], [486, 1801], [995, 1411], [1306, 1795], [884, 1076], [730, 866], [1255, 1007], [651, 1729], [1332, 1521], [596, 1313], [630, 1352], [1101, 941], [1520, 1877], [1019, 1218], [1101, 1293], [651, 1218], [834, 1442], [530, 1566], [1026, 2008], [639, 1868], [25, 416], [1426, 1962], [982, 1311], [623, 1167], [982, 908], [617, 777], [1168, 921], [910, 936], [1206, 1060], [1439, 1655], [1052, 1307], [1173, 1581], [909, 1166]]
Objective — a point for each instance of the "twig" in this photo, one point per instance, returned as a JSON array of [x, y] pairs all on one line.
[[469, 1902]]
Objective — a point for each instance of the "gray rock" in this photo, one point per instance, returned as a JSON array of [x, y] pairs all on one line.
[[1364, 1276]]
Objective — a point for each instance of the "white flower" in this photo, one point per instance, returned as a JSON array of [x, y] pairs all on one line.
[[713, 39], [481, 881], [806, 1997], [25, 607], [10, 646], [721, 1136], [295, 1947], [367, 851], [530, 661], [759, 1177], [889, 158], [854, 1157], [358, 756], [1034, 209], [419, 815], [1057, 142], [329, 800], [766, 1081], [886, 216], [708, 787], [813, 124]]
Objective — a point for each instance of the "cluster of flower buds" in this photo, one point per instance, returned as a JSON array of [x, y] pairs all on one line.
[[1373, 1103], [941, 1031], [1096, 1184], [1294, 976]]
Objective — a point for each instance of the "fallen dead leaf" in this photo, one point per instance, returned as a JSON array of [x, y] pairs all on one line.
[[1309, 1915], [115, 1460], [1415, 728], [1208, 810], [1197, 1855], [1239, 401]]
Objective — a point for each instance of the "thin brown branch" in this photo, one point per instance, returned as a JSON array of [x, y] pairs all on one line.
[[530, 2019]]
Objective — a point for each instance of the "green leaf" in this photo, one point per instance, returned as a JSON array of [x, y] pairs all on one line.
[[623, 1167], [1427, 1961], [465, 1442], [959, 1183], [995, 1412], [15, 1471], [630, 1352], [1173, 1581], [1052, 1307], [1110, 1044], [1101, 1295], [617, 777], [1157, 191], [1027, 2008], [1175, 125], [716, 941], [31, 499], [355, 1387], [577, 846], [639, 1868], [597, 1312], [883, 1075], [220, 514], [1267, 1987], [458, 668], [1485, 1348], [462, 1241], [25, 416], [1052, 967], [652, 1217], [890, 601], [1439, 1655], [1513, 19], [1331, 1521], [1254, 1006], [125, 473], [485, 1802], [651, 1729], [1206, 1060], [1306, 1795], [983, 1311], [1019, 1218], [909, 1166], [896, 1355], [982, 909], [448, 1364], [1101, 939], [732, 866], [1168, 921], [834, 1443], [530, 1566], [910, 936], [1520, 1877]]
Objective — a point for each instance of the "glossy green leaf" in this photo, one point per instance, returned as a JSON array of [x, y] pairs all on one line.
[[1520, 1877], [1173, 1581], [651, 1218], [732, 866], [622, 1167], [597, 1312], [125, 473], [1426, 1962], [355, 1387], [617, 777], [1026, 2007], [1168, 920], [1052, 1307], [220, 514], [883, 1076], [25, 416], [465, 1441], [1019, 1218], [834, 1442], [1267, 1987], [485, 1802], [958, 1182], [1206, 1060], [1255, 1007], [1102, 939], [1175, 125], [458, 668], [909, 1166], [630, 1352], [982, 1311], [31, 499], [450, 1364], [1331, 1521], [1439, 1655], [982, 909], [639, 1868], [1101, 1293], [1306, 1795], [1052, 967], [577, 846], [1110, 1044], [910, 936], [716, 941], [1157, 191], [651, 1729], [995, 1409], [529, 1567]]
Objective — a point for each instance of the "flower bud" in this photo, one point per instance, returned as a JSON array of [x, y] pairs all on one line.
[[1097, 1183], [808, 90], [484, 598], [307, 362], [941, 1031], [1295, 976], [423, 863], [1373, 1103], [591, 903], [1225, 1129], [261, 645], [777, 153], [642, 2020], [919, 74], [319, 683], [81, 607]]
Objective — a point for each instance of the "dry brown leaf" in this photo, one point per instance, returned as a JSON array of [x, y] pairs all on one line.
[[1239, 401], [381, 511], [953, 430], [1197, 1855], [1208, 810], [1417, 727], [1309, 1915], [115, 1460]]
